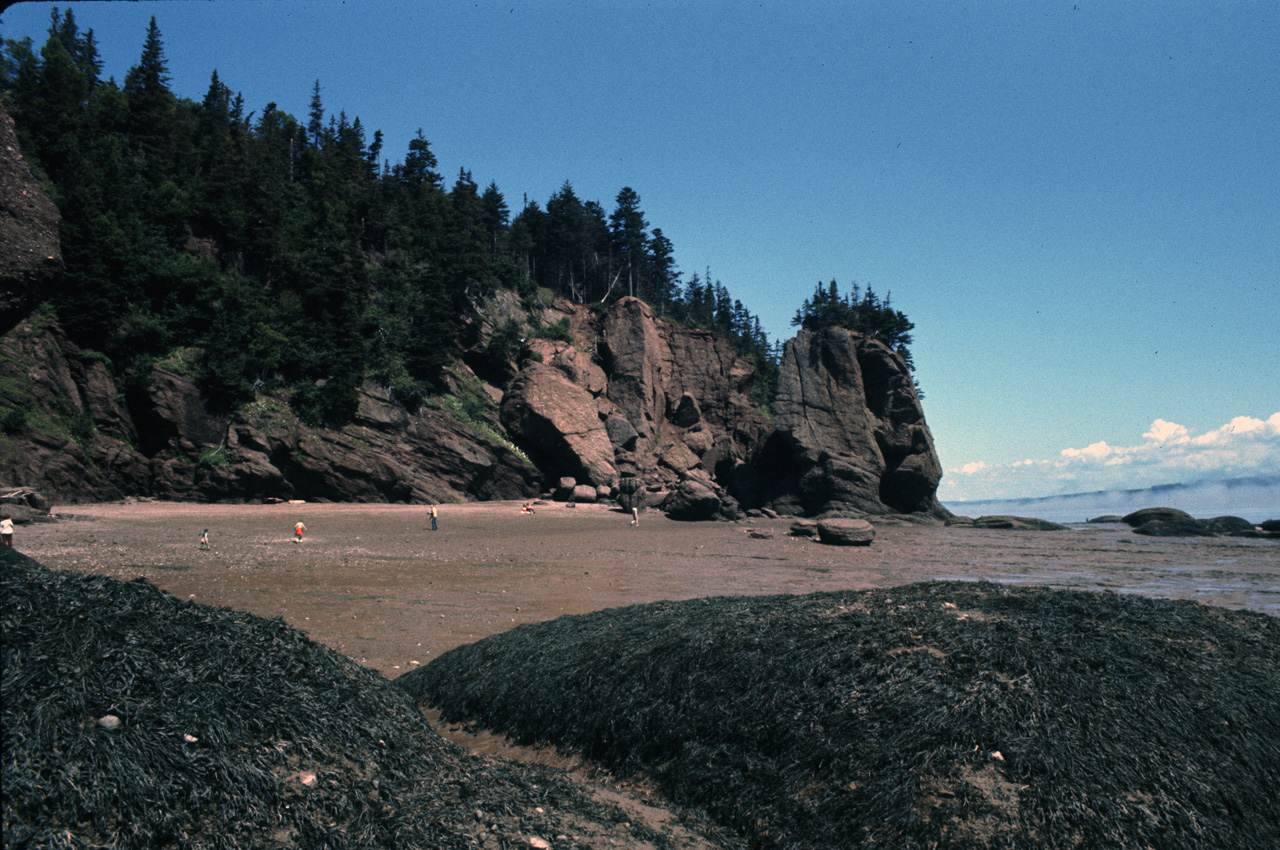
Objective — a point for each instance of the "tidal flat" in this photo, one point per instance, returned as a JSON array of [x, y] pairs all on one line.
[[376, 584]]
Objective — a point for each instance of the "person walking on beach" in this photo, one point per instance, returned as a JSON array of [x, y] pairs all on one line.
[[298, 528], [433, 518], [6, 531], [204, 539]]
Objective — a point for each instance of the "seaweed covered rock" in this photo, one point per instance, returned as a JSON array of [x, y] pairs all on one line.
[[136, 720], [1174, 527], [1145, 515], [940, 714], [1017, 523]]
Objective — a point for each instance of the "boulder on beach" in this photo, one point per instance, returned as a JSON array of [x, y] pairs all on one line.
[[804, 528], [943, 714], [692, 501], [1173, 526], [1146, 515], [1017, 523], [846, 532], [1107, 519]]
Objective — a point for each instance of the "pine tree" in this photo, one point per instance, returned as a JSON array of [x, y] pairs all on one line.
[[494, 213], [627, 228], [663, 276], [567, 232], [146, 87]]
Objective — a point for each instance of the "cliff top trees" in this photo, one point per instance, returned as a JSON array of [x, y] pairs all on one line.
[[857, 311], [289, 253]]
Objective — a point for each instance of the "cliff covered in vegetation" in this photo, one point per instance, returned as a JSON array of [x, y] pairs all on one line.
[[249, 307]]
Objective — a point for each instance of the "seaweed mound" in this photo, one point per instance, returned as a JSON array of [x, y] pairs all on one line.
[[945, 714], [136, 720]]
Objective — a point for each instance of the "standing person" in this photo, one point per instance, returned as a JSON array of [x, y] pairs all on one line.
[[204, 539], [298, 528], [433, 518], [6, 531]]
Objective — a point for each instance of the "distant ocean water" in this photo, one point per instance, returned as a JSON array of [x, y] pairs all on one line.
[[1256, 498]]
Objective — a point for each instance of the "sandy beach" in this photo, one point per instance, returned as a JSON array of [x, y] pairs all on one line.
[[375, 583]]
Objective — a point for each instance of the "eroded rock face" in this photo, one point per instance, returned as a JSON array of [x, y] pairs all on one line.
[[30, 256], [686, 394], [667, 407], [65, 433], [851, 435], [70, 438], [558, 424]]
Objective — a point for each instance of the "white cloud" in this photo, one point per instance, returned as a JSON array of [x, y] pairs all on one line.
[[1169, 453], [1096, 451], [1164, 432], [1239, 425]]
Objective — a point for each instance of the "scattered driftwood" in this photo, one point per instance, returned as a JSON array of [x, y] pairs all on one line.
[[136, 720], [948, 714]]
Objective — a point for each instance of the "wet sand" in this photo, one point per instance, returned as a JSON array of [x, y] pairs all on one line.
[[375, 583]]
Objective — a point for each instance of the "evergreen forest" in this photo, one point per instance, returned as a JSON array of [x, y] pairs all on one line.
[[297, 253]]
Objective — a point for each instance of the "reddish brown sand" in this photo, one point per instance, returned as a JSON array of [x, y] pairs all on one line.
[[374, 582]]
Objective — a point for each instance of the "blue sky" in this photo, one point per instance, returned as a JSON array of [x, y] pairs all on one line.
[[1077, 203]]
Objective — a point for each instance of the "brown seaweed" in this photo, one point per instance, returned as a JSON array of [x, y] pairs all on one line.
[[942, 714], [133, 719]]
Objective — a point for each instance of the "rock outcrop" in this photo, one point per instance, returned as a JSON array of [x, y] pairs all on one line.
[[667, 408], [30, 256], [851, 434], [70, 437], [616, 395], [685, 395], [64, 432], [558, 423]]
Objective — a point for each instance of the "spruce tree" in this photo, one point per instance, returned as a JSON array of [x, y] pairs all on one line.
[[627, 227]]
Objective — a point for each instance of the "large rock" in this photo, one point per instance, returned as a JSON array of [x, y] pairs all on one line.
[[693, 501], [851, 435], [846, 532], [621, 433], [30, 255], [1145, 515], [1017, 523], [557, 424]]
